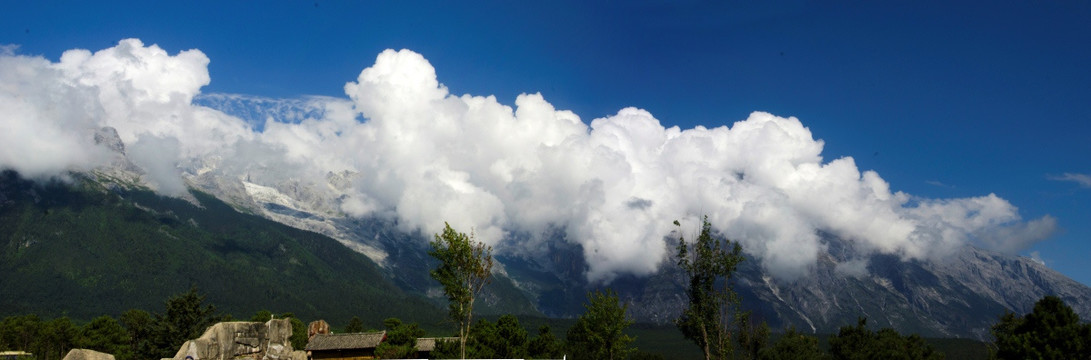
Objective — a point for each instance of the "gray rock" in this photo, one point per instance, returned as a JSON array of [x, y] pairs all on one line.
[[242, 339], [86, 354]]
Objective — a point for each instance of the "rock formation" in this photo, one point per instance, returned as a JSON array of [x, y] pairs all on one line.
[[317, 327], [85, 354], [243, 340]]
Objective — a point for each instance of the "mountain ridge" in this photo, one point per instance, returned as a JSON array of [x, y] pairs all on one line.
[[84, 248], [959, 297], [908, 295]]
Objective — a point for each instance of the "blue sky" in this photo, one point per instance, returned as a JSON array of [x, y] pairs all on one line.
[[942, 100]]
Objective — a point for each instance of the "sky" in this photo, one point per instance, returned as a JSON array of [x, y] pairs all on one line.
[[968, 116]]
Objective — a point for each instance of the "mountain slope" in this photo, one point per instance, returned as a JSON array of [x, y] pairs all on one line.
[[89, 248], [960, 296]]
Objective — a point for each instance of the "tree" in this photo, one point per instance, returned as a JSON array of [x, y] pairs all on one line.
[[599, 333], [713, 306], [105, 334], [299, 331], [793, 346], [20, 332], [56, 338], [1050, 331], [140, 326], [852, 342], [465, 266], [753, 337], [482, 340], [262, 316], [186, 318], [355, 325], [401, 340], [859, 343], [511, 338], [545, 345]]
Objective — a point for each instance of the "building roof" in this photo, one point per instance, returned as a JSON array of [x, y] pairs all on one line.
[[15, 353], [346, 341], [429, 344]]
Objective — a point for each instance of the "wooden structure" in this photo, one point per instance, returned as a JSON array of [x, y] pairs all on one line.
[[15, 355], [425, 346], [355, 346]]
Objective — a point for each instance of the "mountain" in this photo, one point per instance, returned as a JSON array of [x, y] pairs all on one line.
[[958, 296], [104, 242], [89, 246]]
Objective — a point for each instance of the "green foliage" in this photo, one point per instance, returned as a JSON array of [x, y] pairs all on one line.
[[793, 346], [505, 339], [106, 334], [600, 332], [713, 306], [1050, 331], [465, 267], [137, 335], [64, 243], [355, 325], [859, 342], [545, 345], [752, 336], [262, 316], [446, 350], [299, 331], [482, 338], [401, 340], [51, 340], [644, 355], [56, 338], [187, 317], [141, 328], [512, 338], [19, 332]]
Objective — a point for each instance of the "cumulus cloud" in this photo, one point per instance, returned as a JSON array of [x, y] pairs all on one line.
[[402, 146], [52, 110]]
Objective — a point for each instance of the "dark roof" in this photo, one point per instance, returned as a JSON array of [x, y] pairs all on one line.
[[346, 341], [429, 344]]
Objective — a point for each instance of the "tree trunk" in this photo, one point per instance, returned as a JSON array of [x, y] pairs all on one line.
[[704, 335]]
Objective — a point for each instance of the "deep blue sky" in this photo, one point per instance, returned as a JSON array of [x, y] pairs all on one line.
[[942, 100]]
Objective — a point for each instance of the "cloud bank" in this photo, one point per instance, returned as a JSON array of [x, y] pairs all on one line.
[[418, 153]]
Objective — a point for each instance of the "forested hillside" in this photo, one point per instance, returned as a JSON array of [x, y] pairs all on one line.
[[84, 248]]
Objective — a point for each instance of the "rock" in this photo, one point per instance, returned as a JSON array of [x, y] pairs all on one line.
[[86, 354], [317, 327], [242, 339], [107, 136]]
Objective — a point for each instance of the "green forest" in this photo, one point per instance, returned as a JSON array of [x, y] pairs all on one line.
[[1051, 331], [151, 272]]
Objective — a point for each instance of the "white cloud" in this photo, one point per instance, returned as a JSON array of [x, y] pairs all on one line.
[[1037, 257], [1083, 180], [8, 49], [408, 149]]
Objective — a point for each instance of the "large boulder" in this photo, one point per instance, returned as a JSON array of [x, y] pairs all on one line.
[[243, 340], [86, 354], [317, 327]]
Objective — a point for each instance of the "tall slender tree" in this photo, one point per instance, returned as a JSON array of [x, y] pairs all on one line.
[[713, 307], [465, 267]]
